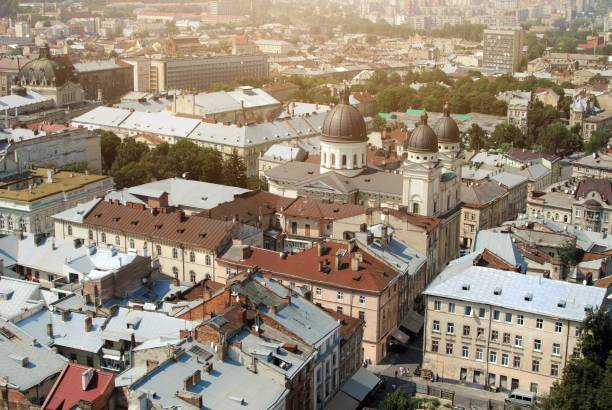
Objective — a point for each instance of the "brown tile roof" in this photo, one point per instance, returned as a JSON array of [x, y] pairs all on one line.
[[604, 282], [172, 226], [315, 209], [348, 324], [372, 276], [527, 155], [490, 259], [424, 222], [601, 185], [247, 207], [381, 158]]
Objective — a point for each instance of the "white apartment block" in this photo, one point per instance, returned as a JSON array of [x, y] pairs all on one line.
[[488, 327]]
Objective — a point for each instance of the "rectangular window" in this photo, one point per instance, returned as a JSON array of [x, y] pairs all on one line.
[[505, 360], [556, 351], [361, 300], [558, 327], [466, 330], [340, 296], [318, 292], [437, 305], [508, 317], [520, 319], [539, 323], [451, 308], [449, 348], [479, 354], [434, 346], [481, 313], [492, 356], [450, 328], [516, 362], [436, 326], [465, 352], [361, 315], [535, 365], [537, 345], [506, 338], [468, 311], [496, 315], [339, 309], [494, 335], [554, 369], [479, 331], [518, 341]]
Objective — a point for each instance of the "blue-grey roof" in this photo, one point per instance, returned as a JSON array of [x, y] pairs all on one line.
[[20, 296], [41, 362], [223, 388], [397, 254], [547, 296], [144, 325], [301, 317], [501, 244], [509, 180]]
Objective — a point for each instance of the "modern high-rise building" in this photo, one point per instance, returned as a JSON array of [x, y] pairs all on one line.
[[502, 49], [196, 73]]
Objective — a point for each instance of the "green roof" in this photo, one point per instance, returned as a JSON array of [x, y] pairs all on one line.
[[385, 115], [414, 111], [462, 117]]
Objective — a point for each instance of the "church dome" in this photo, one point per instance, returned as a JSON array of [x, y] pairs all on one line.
[[446, 129], [344, 123], [423, 138], [46, 71]]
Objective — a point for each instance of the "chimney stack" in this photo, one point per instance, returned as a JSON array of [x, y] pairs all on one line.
[[355, 264], [86, 377], [337, 263], [50, 330], [88, 324]]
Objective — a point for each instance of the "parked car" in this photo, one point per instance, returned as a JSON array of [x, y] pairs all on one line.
[[521, 398]]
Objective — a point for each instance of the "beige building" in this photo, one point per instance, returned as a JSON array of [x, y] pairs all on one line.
[[182, 247], [27, 203], [502, 49], [358, 279], [195, 73], [485, 205], [598, 165], [494, 328]]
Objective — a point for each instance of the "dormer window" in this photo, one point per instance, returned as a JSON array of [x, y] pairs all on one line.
[[561, 304], [528, 297], [465, 286], [497, 291]]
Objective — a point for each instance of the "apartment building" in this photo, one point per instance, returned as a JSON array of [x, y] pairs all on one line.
[[182, 247], [195, 73], [365, 279], [502, 49], [485, 205], [105, 80], [28, 202], [495, 328], [598, 165]]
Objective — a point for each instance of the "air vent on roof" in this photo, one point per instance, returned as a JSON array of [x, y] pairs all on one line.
[[21, 360], [180, 231], [465, 286], [528, 297], [158, 226], [497, 291], [202, 235], [561, 304], [134, 222]]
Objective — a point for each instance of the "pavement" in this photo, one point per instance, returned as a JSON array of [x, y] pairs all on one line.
[[410, 358]]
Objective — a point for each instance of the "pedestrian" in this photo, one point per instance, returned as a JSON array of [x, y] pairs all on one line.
[[396, 373]]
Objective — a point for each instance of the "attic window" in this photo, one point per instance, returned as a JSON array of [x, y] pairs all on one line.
[[528, 297], [561, 304], [116, 219], [158, 226], [357, 278], [134, 222], [497, 291], [202, 235], [180, 230], [465, 286]]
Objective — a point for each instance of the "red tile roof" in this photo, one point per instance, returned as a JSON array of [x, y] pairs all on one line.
[[315, 209], [527, 155], [247, 207], [372, 276], [601, 185], [424, 222], [172, 226], [67, 391]]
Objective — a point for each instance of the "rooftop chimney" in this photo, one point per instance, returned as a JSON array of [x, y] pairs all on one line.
[[86, 377], [355, 264], [50, 330], [88, 324], [337, 263]]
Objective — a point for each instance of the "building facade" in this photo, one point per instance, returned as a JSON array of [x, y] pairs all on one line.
[[502, 49]]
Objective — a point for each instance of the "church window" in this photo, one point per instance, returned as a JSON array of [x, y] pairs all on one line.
[[415, 208], [343, 160]]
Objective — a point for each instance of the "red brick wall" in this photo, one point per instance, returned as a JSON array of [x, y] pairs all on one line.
[[124, 280]]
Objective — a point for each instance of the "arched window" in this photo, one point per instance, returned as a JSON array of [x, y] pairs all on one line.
[[117, 240], [354, 160], [343, 160], [175, 272], [556, 217], [90, 235], [132, 245], [207, 260], [564, 218], [103, 237], [363, 161], [192, 256], [174, 253], [69, 230], [192, 276], [333, 160], [415, 208], [158, 250], [548, 215]]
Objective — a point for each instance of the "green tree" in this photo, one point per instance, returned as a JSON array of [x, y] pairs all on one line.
[[508, 134], [599, 140], [539, 117], [556, 138], [477, 138], [398, 400], [586, 383], [134, 173], [234, 171], [128, 152], [256, 182], [378, 123], [109, 144], [570, 254]]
